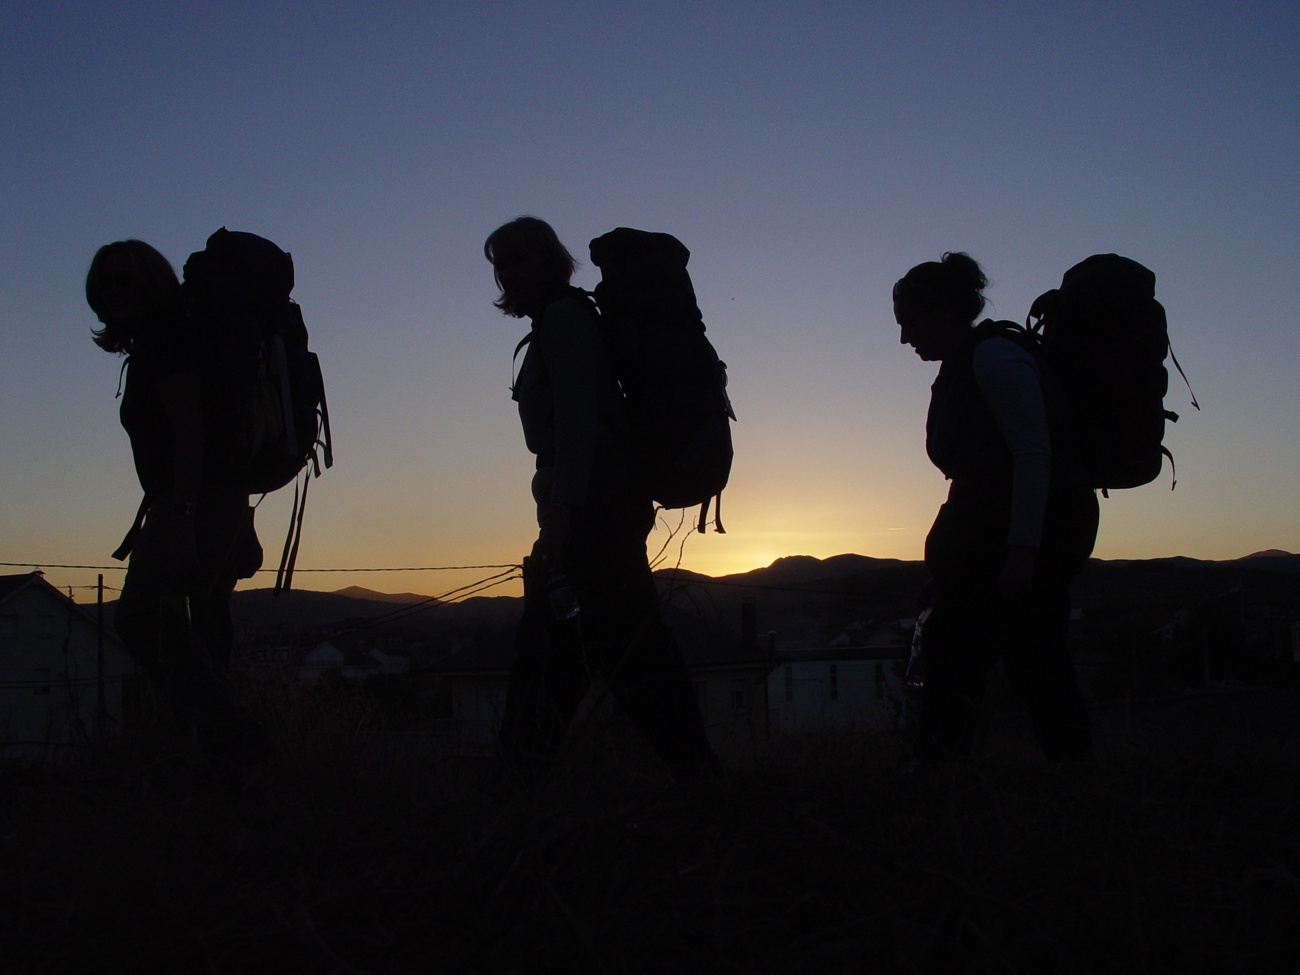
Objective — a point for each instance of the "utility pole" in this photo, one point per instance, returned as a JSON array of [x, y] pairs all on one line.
[[99, 662]]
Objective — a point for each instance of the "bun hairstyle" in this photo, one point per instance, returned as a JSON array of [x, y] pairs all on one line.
[[956, 283]]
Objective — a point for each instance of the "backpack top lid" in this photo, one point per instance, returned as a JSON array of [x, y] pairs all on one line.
[[1099, 284], [260, 265], [644, 273]]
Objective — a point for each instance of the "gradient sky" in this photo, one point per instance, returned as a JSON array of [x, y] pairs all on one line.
[[807, 154]]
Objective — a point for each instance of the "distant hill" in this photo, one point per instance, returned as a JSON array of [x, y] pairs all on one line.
[[800, 598], [304, 609], [359, 592], [797, 596], [802, 570], [1274, 560], [804, 596]]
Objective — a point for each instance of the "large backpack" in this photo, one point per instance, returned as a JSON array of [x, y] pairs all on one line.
[[264, 397], [674, 384], [1105, 336]]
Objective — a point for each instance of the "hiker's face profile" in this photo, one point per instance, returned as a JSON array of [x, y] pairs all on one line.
[[931, 332], [522, 274], [122, 299]]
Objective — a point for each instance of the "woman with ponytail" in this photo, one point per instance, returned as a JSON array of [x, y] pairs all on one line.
[[1016, 528]]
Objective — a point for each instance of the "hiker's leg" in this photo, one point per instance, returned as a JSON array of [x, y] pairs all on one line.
[[1038, 657], [634, 650], [228, 550], [173, 652], [137, 616], [962, 552], [1041, 671], [226, 729], [651, 681], [547, 682], [959, 649]]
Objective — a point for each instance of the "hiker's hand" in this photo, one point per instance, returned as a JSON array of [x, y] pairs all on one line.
[[1017, 576], [182, 550], [555, 532]]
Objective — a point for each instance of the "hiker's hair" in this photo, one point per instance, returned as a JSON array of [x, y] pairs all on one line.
[[538, 236], [955, 282], [153, 274]]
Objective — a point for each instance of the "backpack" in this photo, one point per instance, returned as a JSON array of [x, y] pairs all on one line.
[[1105, 337], [673, 383], [264, 397]]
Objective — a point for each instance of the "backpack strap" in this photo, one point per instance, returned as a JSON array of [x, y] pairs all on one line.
[[989, 328], [514, 379], [289, 557], [128, 542], [324, 440], [1186, 382]]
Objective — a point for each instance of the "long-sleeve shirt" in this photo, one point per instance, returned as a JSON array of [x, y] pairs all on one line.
[[988, 431], [1010, 380], [570, 408]]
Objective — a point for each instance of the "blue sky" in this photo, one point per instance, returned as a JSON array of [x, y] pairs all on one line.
[[808, 154]]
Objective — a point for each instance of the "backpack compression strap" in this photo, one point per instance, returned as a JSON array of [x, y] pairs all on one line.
[[128, 543], [703, 526]]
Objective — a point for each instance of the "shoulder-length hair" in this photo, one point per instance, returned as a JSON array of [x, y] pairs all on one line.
[[536, 236], [150, 271]]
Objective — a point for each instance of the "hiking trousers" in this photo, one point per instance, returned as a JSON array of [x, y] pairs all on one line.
[[188, 666], [972, 627], [618, 635]]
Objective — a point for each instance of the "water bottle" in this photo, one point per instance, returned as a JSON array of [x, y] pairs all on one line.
[[914, 679], [564, 604]]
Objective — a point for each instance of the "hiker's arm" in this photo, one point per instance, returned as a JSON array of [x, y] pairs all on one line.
[[1011, 384], [573, 356], [183, 404]]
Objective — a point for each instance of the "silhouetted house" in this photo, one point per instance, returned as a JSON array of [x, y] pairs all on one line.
[[730, 674], [350, 658], [474, 682], [856, 682], [61, 677]]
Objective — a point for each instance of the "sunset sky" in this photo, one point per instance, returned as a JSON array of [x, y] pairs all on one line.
[[807, 154]]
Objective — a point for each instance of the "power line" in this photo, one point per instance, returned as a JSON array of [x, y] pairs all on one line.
[[702, 581], [53, 565], [412, 609], [411, 568]]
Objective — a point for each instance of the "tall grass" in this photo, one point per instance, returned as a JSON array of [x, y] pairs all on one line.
[[364, 852]]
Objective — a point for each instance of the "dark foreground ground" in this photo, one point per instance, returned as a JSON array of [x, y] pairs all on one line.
[[1179, 851]]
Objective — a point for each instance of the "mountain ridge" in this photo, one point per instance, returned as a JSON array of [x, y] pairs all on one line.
[[791, 585], [806, 569]]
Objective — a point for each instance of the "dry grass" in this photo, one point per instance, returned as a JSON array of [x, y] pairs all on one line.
[[352, 857]]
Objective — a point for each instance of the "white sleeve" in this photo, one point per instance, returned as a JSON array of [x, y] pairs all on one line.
[[1010, 381]]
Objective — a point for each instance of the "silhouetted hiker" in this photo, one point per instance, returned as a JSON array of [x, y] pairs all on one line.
[[193, 536], [1016, 528], [594, 520]]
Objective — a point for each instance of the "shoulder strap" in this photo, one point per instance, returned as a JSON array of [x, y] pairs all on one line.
[[989, 328], [514, 378], [128, 543], [586, 297]]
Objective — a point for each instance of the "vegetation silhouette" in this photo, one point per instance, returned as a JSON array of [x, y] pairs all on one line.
[[374, 853]]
